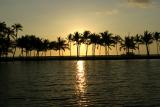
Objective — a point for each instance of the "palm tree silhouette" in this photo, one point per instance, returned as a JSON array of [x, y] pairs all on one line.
[[107, 40], [45, 45], [94, 38], [6, 34], [78, 40], [100, 44], [117, 39], [86, 39], [61, 45], [38, 45], [2, 44], [32, 42], [52, 46], [16, 28], [21, 44], [156, 36], [127, 44], [9, 41], [147, 39], [138, 41], [2, 28], [9, 34], [69, 38]]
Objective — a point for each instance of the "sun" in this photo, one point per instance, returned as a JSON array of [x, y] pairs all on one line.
[[78, 29]]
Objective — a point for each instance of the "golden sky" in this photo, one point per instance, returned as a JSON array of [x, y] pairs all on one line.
[[53, 18]]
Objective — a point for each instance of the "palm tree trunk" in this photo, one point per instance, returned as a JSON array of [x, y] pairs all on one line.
[[38, 53], [30, 53], [128, 51], [117, 49], [108, 50], [94, 49], [105, 50], [77, 51], [42, 53], [14, 52], [157, 47], [59, 52], [22, 51], [138, 50], [62, 52], [100, 50], [147, 48], [45, 53], [34, 53], [50, 52], [15, 46], [86, 50], [26, 53], [70, 49]]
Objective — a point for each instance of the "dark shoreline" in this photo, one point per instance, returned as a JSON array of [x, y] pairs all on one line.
[[110, 57]]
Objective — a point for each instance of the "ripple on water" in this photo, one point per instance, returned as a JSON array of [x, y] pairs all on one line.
[[80, 83]]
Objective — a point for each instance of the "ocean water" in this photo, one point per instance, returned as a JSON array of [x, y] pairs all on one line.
[[112, 83]]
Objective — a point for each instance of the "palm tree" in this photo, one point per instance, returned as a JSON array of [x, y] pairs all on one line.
[[16, 28], [52, 46], [107, 40], [9, 33], [127, 44], [94, 38], [45, 45], [117, 39], [86, 40], [61, 45], [138, 41], [9, 46], [6, 34], [100, 44], [147, 39], [77, 39], [69, 38], [28, 43], [39, 45], [3, 45], [2, 39], [156, 36], [21, 44], [2, 28], [32, 42]]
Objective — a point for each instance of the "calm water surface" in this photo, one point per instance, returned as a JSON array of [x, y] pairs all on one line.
[[119, 83]]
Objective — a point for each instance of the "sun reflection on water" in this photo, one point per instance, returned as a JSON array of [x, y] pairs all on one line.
[[81, 84], [80, 77]]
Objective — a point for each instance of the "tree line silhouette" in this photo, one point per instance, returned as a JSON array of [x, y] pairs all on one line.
[[10, 41]]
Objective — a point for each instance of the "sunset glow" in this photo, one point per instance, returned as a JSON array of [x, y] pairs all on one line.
[[58, 18]]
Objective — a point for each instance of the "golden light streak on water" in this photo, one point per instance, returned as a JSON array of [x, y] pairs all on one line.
[[81, 85], [80, 77]]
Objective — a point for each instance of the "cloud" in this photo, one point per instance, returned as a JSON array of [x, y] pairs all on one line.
[[107, 12], [140, 3]]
